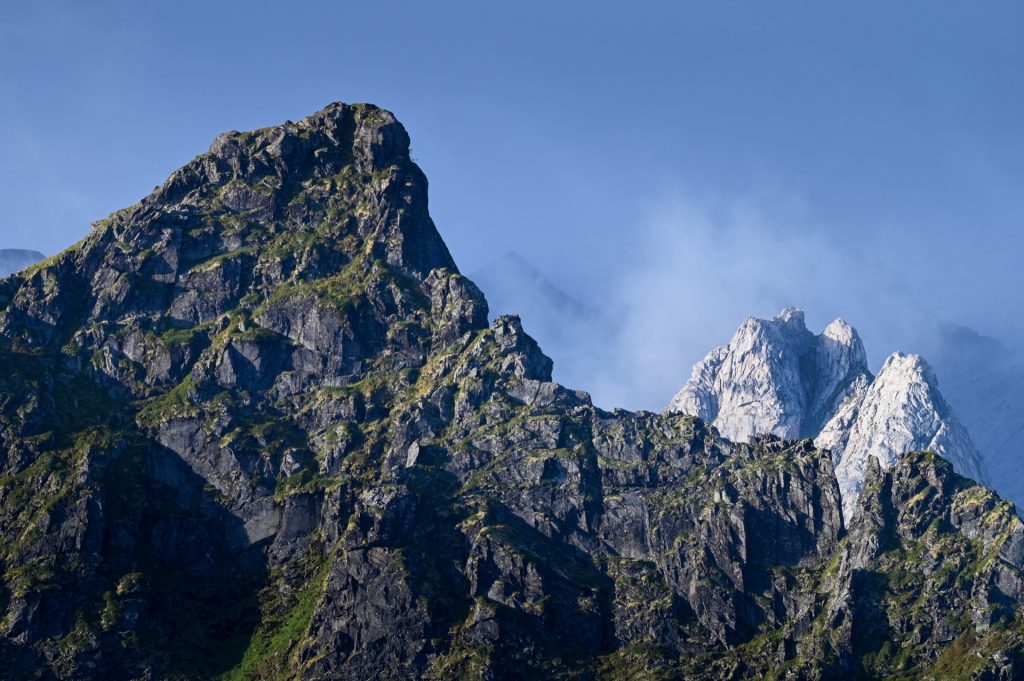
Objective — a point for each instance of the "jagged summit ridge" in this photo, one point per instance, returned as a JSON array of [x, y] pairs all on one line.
[[258, 427], [776, 377], [333, 195], [901, 411], [337, 144]]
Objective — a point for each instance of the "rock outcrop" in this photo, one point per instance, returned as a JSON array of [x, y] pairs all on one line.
[[777, 377], [259, 427], [930, 570], [900, 411]]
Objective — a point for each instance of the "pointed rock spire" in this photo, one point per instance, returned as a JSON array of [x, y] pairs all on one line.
[[901, 411], [774, 376], [777, 377]]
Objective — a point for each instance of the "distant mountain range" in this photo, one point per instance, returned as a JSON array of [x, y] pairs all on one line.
[[513, 283], [573, 331], [984, 381], [15, 259]]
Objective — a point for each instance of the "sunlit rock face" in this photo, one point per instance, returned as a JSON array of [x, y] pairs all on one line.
[[775, 376], [900, 411], [258, 426]]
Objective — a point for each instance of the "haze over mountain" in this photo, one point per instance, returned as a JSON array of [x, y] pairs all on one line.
[[14, 259], [984, 381], [578, 335], [980, 377], [862, 160], [981, 380], [257, 426]]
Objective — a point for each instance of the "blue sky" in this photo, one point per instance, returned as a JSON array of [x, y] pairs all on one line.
[[682, 164]]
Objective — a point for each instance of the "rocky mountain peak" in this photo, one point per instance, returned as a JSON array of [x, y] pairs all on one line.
[[774, 376], [901, 410], [323, 144], [777, 377], [793, 317], [845, 336], [909, 365], [334, 196], [787, 324], [258, 427]]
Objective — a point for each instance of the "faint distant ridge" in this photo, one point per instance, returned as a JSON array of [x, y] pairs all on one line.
[[983, 379], [961, 353], [513, 282], [569, 330], [14, 259]]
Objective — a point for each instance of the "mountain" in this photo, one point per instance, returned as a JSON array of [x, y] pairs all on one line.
[[258, 426], [14, 259], [775, 376], [512, 282], [568, 328], [960, 353], [984, 382], [991, 405], [900, 411]]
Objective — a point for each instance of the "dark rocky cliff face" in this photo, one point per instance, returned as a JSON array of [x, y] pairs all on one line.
[[258, 426]]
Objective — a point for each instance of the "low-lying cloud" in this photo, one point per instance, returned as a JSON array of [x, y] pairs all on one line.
[[695, 270]]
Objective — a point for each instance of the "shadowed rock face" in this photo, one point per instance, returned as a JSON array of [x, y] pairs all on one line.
[[258, 425], [932, 565]]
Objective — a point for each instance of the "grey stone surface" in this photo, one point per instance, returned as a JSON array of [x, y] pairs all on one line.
[[259, 425], [777, 377]]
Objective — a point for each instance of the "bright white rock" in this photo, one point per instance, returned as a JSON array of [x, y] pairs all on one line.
[[901, 411], [775, 376]]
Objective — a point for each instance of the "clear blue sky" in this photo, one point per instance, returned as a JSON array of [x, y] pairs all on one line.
[[704, 160]]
